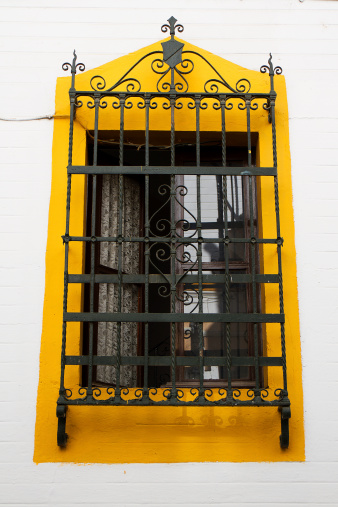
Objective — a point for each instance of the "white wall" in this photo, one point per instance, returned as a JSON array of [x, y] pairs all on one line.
[[36, 37]]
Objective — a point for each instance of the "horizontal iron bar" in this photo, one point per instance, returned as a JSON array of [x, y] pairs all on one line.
[[231, 402], [166, 361], [130, 95], [168, 239], [188, 278], [172, 317], [207, 170]]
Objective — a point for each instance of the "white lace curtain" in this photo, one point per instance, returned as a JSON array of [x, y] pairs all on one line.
[[108, 293]]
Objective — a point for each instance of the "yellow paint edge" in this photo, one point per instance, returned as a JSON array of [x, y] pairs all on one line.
[[162, 434]]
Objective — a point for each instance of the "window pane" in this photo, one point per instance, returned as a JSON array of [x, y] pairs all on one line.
[[214, 333], [212, 204]]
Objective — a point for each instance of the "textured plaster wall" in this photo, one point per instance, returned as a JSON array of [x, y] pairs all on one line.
[[36, 37]]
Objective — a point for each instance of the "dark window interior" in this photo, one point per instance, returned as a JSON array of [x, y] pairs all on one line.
[[213, 257]]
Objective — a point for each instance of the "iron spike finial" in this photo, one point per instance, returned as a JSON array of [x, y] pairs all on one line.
[[270, 68], [172, 22], [74, 62], [73, 66], [172, 27]]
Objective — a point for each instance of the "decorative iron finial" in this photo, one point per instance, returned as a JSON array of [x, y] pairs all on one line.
[[73, 66], [270, 68], [172, 27]]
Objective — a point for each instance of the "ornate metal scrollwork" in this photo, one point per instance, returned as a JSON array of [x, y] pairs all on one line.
[[172, 61], [173, 235]]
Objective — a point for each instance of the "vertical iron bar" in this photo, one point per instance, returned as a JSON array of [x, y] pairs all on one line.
[[72, 99], [146, 253], [252, 251], [226, 253], [119, 245], [93, 248], [173, 236], [279, 239], [199, 246]]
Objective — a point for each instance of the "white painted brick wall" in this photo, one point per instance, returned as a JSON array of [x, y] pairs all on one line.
[[36, 37]]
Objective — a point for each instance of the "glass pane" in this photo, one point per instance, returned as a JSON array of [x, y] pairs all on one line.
[[212, 214], [214, 333]]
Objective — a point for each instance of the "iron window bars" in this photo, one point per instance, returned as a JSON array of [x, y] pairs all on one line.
[[173, 66]]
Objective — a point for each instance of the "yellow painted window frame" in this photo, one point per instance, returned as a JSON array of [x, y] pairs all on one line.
[[165, 434]]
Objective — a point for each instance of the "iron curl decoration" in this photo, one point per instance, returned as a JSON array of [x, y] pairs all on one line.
[[173, 27], [68, 393], [82, 391], [208, 393], [153, 105], [279, 393], [184, 66], [81, 67], [187, 299], [166, 393], [224, 101], [183, 223], [116, 105], [223, 391], [270, 68], [98, 83], [161, 255], [242, 104], [212, 85], [78, 103], [157, 66], [141, 105], [194, 392], [153, 391], [97, 392], [180, 394], [228, 104], [166, 105], [128, 105], [162, 224], [186, 256], [243, 86], [164, 291], [203, 105], [179, 86], [250, 393], [236, 393], [110, 391], [217, 105], [267, 105], [66, 66], [74, 66]]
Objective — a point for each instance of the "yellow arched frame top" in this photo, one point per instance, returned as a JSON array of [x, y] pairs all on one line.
[[165, 434]]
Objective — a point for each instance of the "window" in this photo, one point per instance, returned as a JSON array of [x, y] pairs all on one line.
[[212, 212], [175, 269]]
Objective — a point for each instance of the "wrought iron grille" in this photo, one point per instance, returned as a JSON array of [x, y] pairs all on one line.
[[157, 264]]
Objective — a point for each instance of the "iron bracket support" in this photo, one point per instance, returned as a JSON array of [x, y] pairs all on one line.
[[284, 436], [62, 436]]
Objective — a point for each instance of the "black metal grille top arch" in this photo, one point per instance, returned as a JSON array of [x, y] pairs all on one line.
[[169, 241]]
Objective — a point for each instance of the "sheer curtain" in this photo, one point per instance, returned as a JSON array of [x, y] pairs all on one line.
[[108, 293]]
